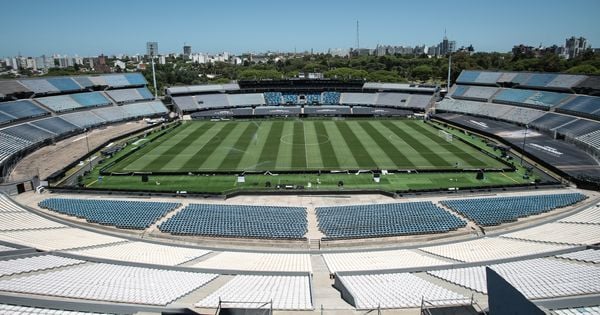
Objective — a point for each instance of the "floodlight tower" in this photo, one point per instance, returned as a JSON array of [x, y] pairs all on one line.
[[357, 37], [449, 69], [154, 78]]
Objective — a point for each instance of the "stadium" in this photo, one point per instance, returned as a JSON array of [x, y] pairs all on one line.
[[301, 196]]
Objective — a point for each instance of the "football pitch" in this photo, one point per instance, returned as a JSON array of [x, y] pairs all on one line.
[[303, 145]]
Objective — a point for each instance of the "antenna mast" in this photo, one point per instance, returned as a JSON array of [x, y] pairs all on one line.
[[357, 36]]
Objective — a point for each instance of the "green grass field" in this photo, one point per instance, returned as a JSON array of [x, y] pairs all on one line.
[[295, 145]]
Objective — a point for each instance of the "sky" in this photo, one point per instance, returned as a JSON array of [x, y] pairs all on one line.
[[86, 28]]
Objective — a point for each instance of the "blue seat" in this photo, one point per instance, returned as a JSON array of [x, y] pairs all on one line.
[[495, 211], [238, 221], [123, 214], [379, 220]]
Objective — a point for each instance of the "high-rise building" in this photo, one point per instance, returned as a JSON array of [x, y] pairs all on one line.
[[187, 51], [447, 46], [575, 46], [152, 49]]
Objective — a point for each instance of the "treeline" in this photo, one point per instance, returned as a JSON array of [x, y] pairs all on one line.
[[369, 68]]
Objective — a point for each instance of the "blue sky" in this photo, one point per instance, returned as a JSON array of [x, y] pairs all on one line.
[[111, 27]]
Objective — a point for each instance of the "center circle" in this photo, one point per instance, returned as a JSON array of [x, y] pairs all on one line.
[[288, 139]]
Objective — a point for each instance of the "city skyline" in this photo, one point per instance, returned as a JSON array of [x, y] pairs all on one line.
[[240, 27]]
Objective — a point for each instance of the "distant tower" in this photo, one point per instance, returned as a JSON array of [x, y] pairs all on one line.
[[187, 51], [357, 36], [152, 49]]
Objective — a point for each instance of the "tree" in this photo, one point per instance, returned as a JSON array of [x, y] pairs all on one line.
[[582, 69], [422, 72]]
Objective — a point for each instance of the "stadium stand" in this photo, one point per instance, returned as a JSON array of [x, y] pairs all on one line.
[[327, 110], [273, 98], [130, 95], [396, 290], [579, 127], [290, 99], [59, 103], [20, 110], [217, 113], [238, 221], [145, 109], [252, 261], [40, 86], [550, 121], [583, 106], [110, 283], [56, 125], [331, 98], [98, 81], [419, 101], [84, 82], [186, 103], [378, 220], [85, 119], [592, 139], [535, 278], [478, 77], [584, 310], [495, 211], [175, 90], [475, 93], [590, 215], [28, 133], [530, 98], [116, 80], [392, 99], [12, 87], [119, 213], [565, 81], [378, 111], [34, 263], [561, 233], [312, 99], [135, 79], [358, 98], [379, 260], [91, 99], [65, 84], [277, 111], [246, 99], [211, 100], [22, 220], [255, 291], [589, 256], [590, 85], [10, 145], [490, 248], [57, 239], [22, 310], [143, 252]]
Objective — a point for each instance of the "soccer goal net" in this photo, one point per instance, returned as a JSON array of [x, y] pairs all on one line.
[[445, 135]]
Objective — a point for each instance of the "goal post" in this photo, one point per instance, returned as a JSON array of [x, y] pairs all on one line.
[[446, 135]]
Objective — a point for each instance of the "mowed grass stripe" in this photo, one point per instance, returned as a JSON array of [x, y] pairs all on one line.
[[313, 155], [141, 158], [176, 148], [361, 155], [236, 153], [328, 156], [298, 147], [423, 150], [454, 149], [268, 155], [388, 147], [198, 159]]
